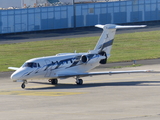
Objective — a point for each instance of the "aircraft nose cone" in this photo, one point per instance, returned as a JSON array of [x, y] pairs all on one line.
[[15, 76]]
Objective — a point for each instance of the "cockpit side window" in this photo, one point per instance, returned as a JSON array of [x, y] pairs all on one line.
[[39, 65], [31, 65]]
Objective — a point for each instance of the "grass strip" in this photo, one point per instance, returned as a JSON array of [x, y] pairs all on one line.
[[126, 47]]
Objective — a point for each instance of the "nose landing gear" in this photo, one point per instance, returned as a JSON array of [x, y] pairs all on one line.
[[24, 84]]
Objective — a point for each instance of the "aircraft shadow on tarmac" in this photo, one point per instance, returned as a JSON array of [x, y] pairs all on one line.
[[90, 85]]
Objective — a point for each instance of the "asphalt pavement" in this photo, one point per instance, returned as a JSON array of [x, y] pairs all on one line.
[[106, 97]]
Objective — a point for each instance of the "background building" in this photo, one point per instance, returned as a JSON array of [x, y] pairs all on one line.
[[12, 4], [58, 16]]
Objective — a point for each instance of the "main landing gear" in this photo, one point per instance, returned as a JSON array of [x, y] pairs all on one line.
[[24, 84], [79, 81], [53, 81]]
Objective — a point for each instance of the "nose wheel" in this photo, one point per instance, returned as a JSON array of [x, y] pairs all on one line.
[[24, 84]]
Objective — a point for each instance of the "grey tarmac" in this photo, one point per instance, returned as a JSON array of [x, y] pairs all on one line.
[[115, 97]]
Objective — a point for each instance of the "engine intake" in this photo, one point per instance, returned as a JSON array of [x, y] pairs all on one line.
[[84, 58]]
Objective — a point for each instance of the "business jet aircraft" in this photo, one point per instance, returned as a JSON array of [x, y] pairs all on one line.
[[75, 65]]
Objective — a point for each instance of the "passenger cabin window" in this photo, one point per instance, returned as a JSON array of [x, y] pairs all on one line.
[[31, 65]]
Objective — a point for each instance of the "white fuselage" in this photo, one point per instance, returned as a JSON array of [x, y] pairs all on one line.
[[53, 66]]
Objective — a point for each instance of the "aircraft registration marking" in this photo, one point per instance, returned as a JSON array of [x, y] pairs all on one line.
[[35, 93]]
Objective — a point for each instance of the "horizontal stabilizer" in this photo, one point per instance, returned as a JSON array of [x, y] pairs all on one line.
[[133, 26], [13, 68], [113, 26], [99, 26]]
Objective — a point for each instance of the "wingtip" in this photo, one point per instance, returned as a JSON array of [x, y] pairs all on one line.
[[150, 71], [13, 68]]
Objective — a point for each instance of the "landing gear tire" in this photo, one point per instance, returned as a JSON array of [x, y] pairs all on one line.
[[23, 85], [54, 81], [79, 81]]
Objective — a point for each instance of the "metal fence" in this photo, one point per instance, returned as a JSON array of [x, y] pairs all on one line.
[[78, 15]]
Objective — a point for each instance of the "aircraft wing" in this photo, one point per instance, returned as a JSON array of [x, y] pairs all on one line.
[[13, 68], [102, 73]]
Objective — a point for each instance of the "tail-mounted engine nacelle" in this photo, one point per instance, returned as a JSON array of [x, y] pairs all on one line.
[[84, 59], [103, 61]]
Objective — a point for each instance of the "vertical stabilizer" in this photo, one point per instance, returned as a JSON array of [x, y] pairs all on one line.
[[105, 42]]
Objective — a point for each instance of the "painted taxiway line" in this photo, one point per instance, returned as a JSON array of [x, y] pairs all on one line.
[[33, 93]]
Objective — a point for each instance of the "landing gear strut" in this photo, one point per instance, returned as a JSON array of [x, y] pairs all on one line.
[[79, 81], [24, 84], [53, 81]]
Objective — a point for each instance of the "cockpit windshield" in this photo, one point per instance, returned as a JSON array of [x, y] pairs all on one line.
[[31, 65]]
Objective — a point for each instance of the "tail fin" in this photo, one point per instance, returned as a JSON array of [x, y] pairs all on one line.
[[105, 42]]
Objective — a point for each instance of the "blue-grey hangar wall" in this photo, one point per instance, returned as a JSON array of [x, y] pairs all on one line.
[[78, 15]]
